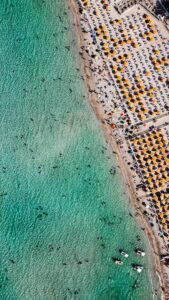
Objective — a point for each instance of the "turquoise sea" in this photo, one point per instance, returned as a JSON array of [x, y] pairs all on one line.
[[63, 215]]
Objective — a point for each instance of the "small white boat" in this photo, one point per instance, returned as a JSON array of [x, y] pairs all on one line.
[[140, 252], [138, 268], [118, 262], [123, 253]]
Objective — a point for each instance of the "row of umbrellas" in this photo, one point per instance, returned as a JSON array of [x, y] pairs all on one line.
[[152, 153]]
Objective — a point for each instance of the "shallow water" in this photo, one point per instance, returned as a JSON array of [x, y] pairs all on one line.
[[63, 216]]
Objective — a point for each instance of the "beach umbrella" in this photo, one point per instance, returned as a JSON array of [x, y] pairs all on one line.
[[165, 207], [158, 204], [97, 13], [155, 198]]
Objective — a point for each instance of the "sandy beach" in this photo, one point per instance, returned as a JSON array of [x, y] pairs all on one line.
[[117, 149]]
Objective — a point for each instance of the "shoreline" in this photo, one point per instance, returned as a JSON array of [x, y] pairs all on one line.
[[90, 85]]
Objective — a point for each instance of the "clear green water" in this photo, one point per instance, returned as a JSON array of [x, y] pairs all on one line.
[[62, 214]]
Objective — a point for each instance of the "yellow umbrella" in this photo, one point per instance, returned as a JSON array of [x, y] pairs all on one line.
[[157, 51], [143, 118]]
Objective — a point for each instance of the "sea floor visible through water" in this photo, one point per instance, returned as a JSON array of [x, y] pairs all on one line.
[[64, 209]]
